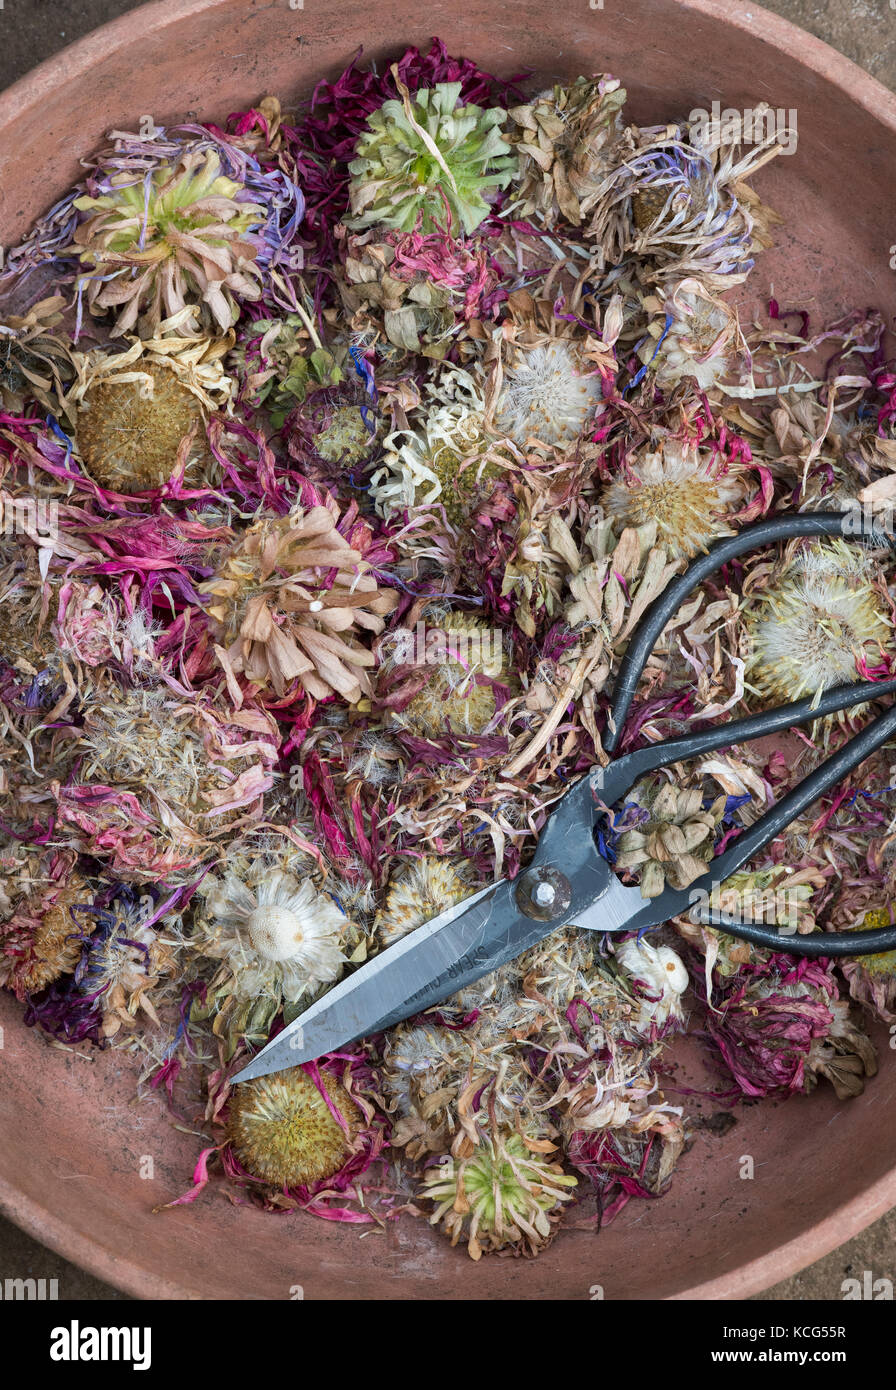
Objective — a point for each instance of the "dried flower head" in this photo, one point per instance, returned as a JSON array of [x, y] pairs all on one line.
[[822, 623], [41, 939], [506, 1194], [124, 961], [780, 1027], [550, 393], [276, 934], [139, 415], [34, 360], [699, 331], [673, 838], [282, 599], [412, 292], [443, 456], [659, 979], [161, 779], [180, 233], [428, 161], [465, 660], [418, 891], [565, 141], [284, 1128], [872, 979], [685, 492], [280, 364]]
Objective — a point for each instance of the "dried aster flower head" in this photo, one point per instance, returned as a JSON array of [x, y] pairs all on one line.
[[687, 493], [290, 1130], [506, 1194], [286, 601], [673, 837], [428, 161], [823, 622], [178, 234], [565, 141], [550, 393], [140, 415], [418, 891]]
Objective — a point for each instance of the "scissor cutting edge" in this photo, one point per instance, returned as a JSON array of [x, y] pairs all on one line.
[[568, 881]]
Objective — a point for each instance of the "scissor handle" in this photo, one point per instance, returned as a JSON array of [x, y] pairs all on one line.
[[622, 773], [647, 633]]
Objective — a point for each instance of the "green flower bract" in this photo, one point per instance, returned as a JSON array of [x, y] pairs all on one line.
[[429, 158]]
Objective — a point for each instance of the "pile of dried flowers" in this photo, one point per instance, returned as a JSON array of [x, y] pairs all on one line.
[[345, 449]]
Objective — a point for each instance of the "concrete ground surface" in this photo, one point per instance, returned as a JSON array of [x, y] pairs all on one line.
[[865, 30]]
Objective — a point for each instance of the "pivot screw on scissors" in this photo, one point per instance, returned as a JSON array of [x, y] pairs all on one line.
[[478, 935]]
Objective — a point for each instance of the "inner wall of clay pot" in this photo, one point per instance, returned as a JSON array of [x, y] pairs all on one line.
[[74, 1140]]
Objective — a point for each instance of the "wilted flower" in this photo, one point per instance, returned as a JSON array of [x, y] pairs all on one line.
[[443, 456], [412, 292], [455, 688], [687, 493], [550, 393], [872, 979], [610, 590], [161, 779], [427, 161], [659, 979], [779, 1028], [41, 938], [692, 210], [124, 960], [673, 837], [506, 1193], [34, 361], [565, 142], [280, 364], [140, 415], [423, 1072], [291, 1130], [823, 622], [280, 600], [151, 244], [698, 333]]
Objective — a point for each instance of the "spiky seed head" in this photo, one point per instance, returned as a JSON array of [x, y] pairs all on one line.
[[820, 619], [129, 438], [283, 1131], [549, 394], [682, 491]]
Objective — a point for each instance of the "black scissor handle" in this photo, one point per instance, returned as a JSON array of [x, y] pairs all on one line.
[[625, 771], [648, 631]]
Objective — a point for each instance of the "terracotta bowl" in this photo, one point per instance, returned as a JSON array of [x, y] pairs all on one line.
[[74, 1144]]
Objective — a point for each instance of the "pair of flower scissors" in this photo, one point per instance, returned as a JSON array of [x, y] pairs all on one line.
[[568, 882]]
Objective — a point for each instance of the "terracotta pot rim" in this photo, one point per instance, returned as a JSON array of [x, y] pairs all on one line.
[[819, 57], [74, 64]]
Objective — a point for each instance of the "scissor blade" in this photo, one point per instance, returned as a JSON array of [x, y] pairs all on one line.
[[422, 969]]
